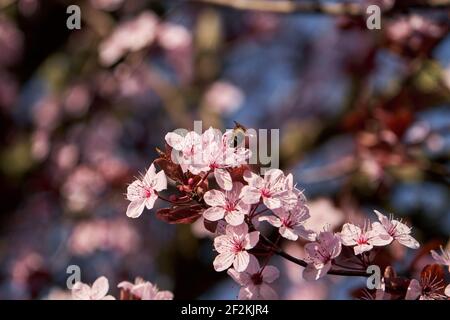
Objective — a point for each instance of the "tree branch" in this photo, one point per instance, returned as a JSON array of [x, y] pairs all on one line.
[[349, 9], [336, 272], [302, 263]]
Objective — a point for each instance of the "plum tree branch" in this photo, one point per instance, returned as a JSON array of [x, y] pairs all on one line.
[[337, 272], [303, 263], [330, 8]]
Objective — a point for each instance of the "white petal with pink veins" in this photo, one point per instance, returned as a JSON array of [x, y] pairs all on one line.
[[135, 208], [251, 240], [223, 179], [215, 198], [241, 261], [223, 261], [234, 218], [223, 244], [214, 213], [174, 140], [273, 220], [99, 288], [250, 195]]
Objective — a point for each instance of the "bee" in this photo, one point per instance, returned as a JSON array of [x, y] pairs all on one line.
[[238, 135]]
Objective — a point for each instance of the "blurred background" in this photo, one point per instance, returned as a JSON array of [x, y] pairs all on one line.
[[364, 119]]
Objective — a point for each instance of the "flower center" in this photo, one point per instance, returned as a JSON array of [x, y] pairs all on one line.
[[230, 206], [265, 193], [237, 246], [213, 166], [362, 239], [287, 222], [257, 278], [147, 192]]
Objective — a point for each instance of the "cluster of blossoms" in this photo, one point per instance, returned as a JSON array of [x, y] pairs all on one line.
[[240, 200], [139, 290]]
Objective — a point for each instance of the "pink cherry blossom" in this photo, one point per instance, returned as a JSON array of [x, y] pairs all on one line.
[[209, 152], [425, 289], [447, 291], [98, 291], [232, 247], [443, 258], [397, 230], [364, 239], [217, 155], [188, 147], [272, 189], [320, 254], [143, 193], [291, 222], [255, 282], [145, 290], [226, 205]]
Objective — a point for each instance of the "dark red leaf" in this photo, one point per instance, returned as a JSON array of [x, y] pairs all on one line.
[[180, 215], [211, 226]]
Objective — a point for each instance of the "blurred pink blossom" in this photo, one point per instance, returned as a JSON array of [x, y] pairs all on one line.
[[82, 187], [223, 97], [129, 36], [107, 5], [101, 234]]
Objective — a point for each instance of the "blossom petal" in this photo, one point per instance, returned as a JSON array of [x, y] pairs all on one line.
[[160, 181], [270, 274], [241, 261], [349, 234], [408, 241], [306, 234], [288, 233], [266, 292], [215, 198], [272, 202], [223, 244], [253, 179], [135, 191], [135, 208], [214, 213], [223, 179], [223, 261], [81, 291], [250, 195], [99, 288], [242, 278], [273, 220], [150, 201], [275, 179], [414, 290], [240, 230], [175, 140], [251, 240], [149, 175], [253, 265], [164, 295], [312, 273], [234, 218], [362, 248]]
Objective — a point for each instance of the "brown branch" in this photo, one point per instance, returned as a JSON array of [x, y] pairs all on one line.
[[302, 263], [314, 6], [336, 272]]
